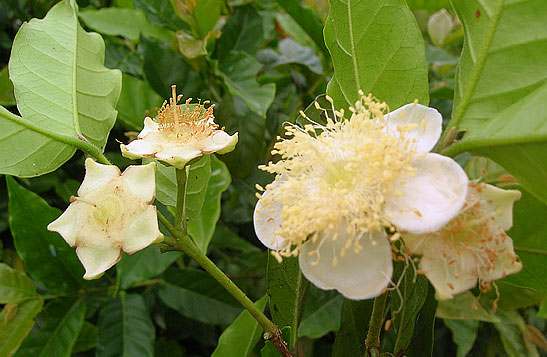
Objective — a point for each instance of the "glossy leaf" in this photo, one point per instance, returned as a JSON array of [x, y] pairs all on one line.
[[375, 46], [143, 265], [137, 101], [464, 334], [125, 328], [241, 336], [62, 90], [62, 323], [48, 258], [15, 286], [350, 339], [17, 321], [202, 226]]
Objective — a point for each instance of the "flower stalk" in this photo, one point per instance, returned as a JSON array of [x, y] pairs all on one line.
[[372, 341]]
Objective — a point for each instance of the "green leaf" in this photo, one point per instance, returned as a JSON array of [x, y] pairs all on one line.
[[161, 12], [422, 339], [143, 265], [464, 334], [206, 14], [501, 61], [238, 70], [542, 312], [64, 93], [15, 286], [16, 321], [291, 52], [125, 328], [196, 295], [62, 323], [518, 146], [375, 46], [6, 89], [128, 23], [430, 5], [284, 287], [350, 339], [48, 258], [405, 308], [464, 306], [198, 176], [137, 101], [513, 333], [202, 227], [87, 339], [241, 336], [321, 313]]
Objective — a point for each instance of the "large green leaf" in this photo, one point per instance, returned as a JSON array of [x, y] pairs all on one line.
[[64, 93], [350, 339], [87, 339], [375, 46], [515, 138], [464, 334], [464, 306], [125, 328], [137, 101], [238, 70], [16, 322], [144, 264], [502, 60], [241, 336], [128, 23], [321, 313], [62, 322], [202, 227], [423, 336], [196, 295], [48, 258], [284, 286], [513, 333], [15, 286]]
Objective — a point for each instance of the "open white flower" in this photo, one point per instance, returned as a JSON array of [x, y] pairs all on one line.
[[112, 212], [473, 246], [340, 186], [178, 136]]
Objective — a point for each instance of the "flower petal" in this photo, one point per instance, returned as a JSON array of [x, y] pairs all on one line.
[[429, 122], [504, 263], [139, 149], [67, 224], [150, 126], [357, 276], [142, 231], [97, 175], [141, 181], [267, 221], [178, 156], [220, 142], [500, 200], [97, 260], [431, 198]]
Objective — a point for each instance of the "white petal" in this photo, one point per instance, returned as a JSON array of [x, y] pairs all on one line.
[[178, 156], [431, 198], [429, 122], [500, 200], [505, 262], [220, 142], [357, 276], [97, 260], [142, 231], [67, 224], [267, 221], [150, 126], [141, 181], [97, 175], [139, 148]]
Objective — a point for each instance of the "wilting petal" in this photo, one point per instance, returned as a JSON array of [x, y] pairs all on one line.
[[97, 175], [142, 231], [141, 181], [429, 125], [267, 221], [431, 198], [97, 260], [500, 201], [357, 276]]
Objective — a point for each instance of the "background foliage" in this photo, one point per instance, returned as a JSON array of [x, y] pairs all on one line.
[[260, 62]]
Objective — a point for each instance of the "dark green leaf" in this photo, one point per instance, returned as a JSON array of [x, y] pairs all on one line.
[[375, 46], [241, 336], [513, 333], [62, 323], [161, 12], [87, 339], [291, 52], [422, 339], [243, 31], [202, 226], [321, 313], [15, 286], [137, 101], [143, 265], [48, 258], [125, 328], [350, 339], [16, 321], [464, 334], [6, 89]]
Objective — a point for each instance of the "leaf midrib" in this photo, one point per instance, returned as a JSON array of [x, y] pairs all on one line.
[[74, 67]]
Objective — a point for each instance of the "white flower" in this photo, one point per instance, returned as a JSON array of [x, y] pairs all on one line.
[[112, 212], [473, 246], [179, 136], [340, 186]]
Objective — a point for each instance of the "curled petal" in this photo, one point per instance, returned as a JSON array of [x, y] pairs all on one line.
[[428, 125], [97, 175], [357, 275], [97, 260], [141, 181], [267, 221], [427, 201], [139, 148], [142, 231]]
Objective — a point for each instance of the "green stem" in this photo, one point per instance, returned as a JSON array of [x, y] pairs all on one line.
[[80, 143], [180, 221], [375, 325]]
